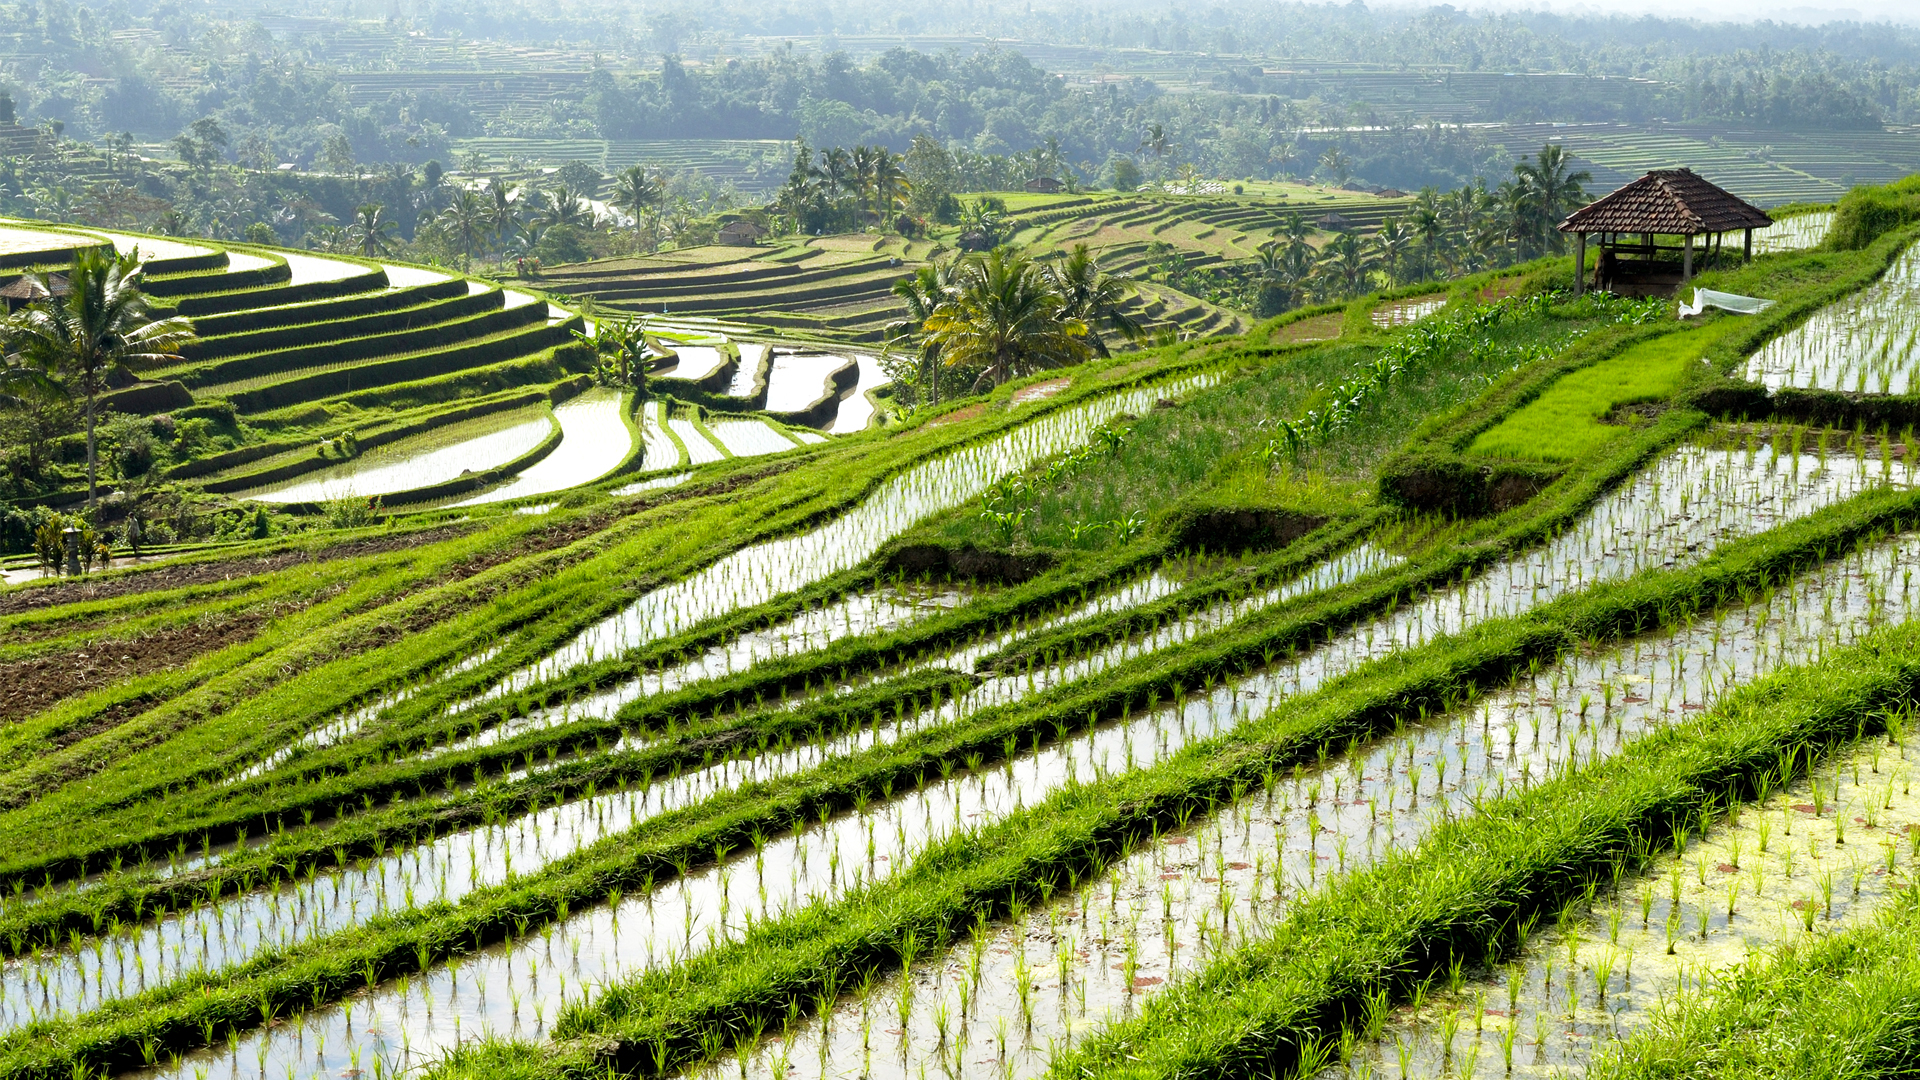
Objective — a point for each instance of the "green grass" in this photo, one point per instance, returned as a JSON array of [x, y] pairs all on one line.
[[1840, 1007], [1209, 450], [1565, 422]]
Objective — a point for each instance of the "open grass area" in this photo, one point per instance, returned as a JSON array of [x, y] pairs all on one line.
[[1576, 415]]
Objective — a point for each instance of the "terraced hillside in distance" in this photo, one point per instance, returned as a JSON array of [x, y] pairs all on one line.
[[1467, 679], [319, 378], [838, 288]]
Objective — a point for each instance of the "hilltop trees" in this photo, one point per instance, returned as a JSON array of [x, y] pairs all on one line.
[[840, 190]]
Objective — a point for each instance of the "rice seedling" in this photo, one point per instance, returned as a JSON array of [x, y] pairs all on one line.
[[1194, 868], [1861, 344]]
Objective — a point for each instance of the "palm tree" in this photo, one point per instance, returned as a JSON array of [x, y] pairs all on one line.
[[840, 175], [563, 207], [865, 160], [1335, 161], [503, 210], [1392, 243], [923, 293], [103, 325], [1280, 268], [1156, 141], [372, 231], [1345, 265], [1428, 227], [890, 184], [465, 222], [636, 193], [1555, 190], [1003, 315], [1093, 298]]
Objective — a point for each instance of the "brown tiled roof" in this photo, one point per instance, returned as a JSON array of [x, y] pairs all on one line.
[[26, 288], [1673, 201]]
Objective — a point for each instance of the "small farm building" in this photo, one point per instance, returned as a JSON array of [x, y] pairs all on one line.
[[1646, 232]]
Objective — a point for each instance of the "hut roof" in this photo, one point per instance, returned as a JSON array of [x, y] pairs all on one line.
[[27, 288], [1672, 201]]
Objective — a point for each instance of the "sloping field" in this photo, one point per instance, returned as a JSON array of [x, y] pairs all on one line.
[[1223, 709]]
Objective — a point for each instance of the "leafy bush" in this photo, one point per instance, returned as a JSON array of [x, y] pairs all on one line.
[[1867, 213]]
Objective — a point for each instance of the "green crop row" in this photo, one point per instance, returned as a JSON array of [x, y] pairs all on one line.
[[196, 735], [1264, 1007], [263, 329], [1844, 1005], [523, 336], [668, 1017]]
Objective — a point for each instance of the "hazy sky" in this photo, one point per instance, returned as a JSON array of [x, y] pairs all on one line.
[[1797, 11]]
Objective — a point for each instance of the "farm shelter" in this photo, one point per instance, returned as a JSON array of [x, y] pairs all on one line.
[[741, 234], [1672, 204], [25, 290]]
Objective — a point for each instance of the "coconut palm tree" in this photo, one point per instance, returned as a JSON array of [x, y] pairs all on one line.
[[1556, 190], [1093, 298], [636, 193], [372, 231], [923, 293], [503, 209], [102, 326], [838, 170], [1336, 162], [1393, 243], [1003, 315], [465, 222], [1345, 266], [1429, 228], [563, 207], [1156, 141], [890, 184]]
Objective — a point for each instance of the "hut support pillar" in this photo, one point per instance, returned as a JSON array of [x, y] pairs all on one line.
[[1686, 260], [1579, 264], [1747, 246]]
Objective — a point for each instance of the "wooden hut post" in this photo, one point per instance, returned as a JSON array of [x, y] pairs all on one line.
[[1686, 259], [1747, 246], [1579, 264]]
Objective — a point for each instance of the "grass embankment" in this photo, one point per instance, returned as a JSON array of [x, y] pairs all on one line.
[[670, 1016], [1844, 1006], [1567, 422], [339, 963], [82, 801], [1264, 1007], [1217, 449]]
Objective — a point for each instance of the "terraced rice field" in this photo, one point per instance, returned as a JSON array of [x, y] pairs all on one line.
[[594, 440], [737, 768], [423, 461], [1864, 345]]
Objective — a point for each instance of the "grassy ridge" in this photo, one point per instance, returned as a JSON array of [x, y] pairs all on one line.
[[1078, 830], [531, 604], [1834, 1007]]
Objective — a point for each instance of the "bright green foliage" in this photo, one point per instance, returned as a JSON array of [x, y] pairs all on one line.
[[1566, 422]]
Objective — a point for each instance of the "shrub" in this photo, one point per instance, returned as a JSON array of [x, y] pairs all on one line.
[[1867, 213]]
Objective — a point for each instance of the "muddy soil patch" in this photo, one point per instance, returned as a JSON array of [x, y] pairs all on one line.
[[968, 563], [34, 685], [174, 576], [1244, 529]]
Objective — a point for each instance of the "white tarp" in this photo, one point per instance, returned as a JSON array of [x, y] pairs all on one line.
[[1725, 301]]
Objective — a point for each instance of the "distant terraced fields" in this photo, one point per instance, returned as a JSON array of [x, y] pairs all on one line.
[[323, 377], [838, 288]]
